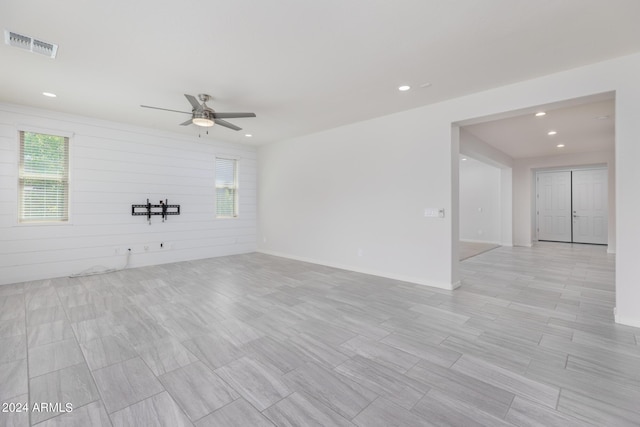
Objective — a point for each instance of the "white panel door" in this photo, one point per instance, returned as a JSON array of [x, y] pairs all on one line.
[[590, 206], [554, 206]]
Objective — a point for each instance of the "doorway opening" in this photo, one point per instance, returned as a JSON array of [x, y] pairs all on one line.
[[570, 135]]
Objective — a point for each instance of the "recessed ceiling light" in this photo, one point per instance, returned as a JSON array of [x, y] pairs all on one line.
[[560, 145], [463, 159], [552, 132], [248, 135], [49, 94], [540, 114], [404, 88]]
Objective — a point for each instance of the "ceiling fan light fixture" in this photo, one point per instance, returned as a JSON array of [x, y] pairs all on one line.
[[203, 122], [202, 119]]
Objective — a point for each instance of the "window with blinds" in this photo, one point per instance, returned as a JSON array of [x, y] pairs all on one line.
[[226, 188], [44, 178]]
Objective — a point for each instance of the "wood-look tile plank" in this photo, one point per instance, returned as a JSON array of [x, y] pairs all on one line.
[[508, 380], [91, 329], [594, 411], [13, 348], [165, 355], [13, 378], [92, 414], [106, 351], [48, 333], [126, 383], [12, 327], [526, 413], [213, 350], [279, 355], [45, 315], [382, 353], [484, 396], [433, 353], [236, 414], [159, 410], [445, 410], [51, 357], [596, 386], [259, 384], [384, 381], [318, 351], [73, 385], [383, 413], [197, 390], [336, 391], [300, 409]]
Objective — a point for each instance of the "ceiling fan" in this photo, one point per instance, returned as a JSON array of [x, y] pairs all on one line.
[[203, 115]]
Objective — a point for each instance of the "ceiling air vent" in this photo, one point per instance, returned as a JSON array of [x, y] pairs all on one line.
[[30, 44]]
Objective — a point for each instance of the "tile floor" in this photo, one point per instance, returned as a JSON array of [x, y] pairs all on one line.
[[469, 249], [255, 340]]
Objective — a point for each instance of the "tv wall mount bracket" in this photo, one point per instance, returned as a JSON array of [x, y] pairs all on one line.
[[164, 209]]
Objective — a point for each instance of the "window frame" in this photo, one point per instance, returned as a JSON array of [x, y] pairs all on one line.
[[18, 210], [236, 187]]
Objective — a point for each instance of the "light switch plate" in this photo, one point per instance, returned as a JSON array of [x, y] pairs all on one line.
[[434, 212]]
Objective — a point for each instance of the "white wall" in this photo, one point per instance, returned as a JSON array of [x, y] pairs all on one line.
[[524, 190], [366, 185], [472, 146], [112, 167], [480, 208]]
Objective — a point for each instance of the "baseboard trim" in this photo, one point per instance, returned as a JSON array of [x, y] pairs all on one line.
[[480, 241], [524, 245], [415, 280], [625, 320]]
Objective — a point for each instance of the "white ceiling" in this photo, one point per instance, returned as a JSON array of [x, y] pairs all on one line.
[[301, 66], [581, 128]]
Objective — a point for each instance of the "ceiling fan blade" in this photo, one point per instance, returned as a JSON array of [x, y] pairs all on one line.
[[187, 123], [165, 109], [194, 102], [226, 124], [232, 115]]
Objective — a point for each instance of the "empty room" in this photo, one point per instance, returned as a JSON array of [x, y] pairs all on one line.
[[338, 213]]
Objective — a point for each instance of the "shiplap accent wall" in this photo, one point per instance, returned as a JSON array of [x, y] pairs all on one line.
[[113, 166]]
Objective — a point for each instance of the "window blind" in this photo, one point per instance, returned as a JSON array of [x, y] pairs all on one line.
[[226, 187], [44, 177]]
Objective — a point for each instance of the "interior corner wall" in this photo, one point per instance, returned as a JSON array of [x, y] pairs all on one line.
[[480, 202], [355, 196], [524, 190], [113, 166]]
